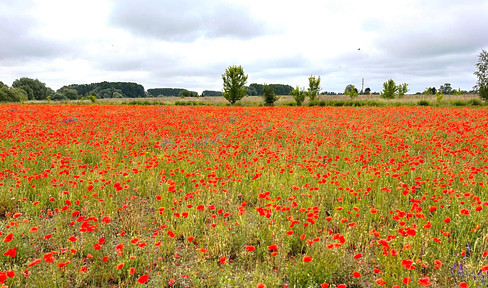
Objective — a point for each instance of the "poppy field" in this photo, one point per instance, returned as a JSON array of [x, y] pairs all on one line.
[[131, 196]]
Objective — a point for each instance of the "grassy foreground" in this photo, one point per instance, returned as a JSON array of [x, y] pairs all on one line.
[[157, 196]]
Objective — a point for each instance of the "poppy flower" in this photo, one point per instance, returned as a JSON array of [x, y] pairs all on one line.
[[143, 279], [250, 248], [8, 238], [425, 281], [12, 252], [307, 259]]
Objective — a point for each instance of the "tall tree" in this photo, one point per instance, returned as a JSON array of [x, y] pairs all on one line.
[[482, 74], [313, 87], [234, 81]]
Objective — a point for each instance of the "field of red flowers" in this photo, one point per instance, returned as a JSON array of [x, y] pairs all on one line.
[[122, 196]]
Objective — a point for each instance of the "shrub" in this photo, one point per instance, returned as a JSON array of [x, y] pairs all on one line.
[[423, 103], [269, 96], [475, 102]]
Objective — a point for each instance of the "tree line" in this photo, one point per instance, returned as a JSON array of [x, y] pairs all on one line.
[[234, 89]]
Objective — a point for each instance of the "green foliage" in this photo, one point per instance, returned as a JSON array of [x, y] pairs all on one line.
[[457, 91], [211, 93], [482, 75], [429, 91], [423, 103], [402, 89], [313, 88], [106, 89], [36, 90], [475, 102], [58, 97], [446, 88], [389, 89], [269, 96], [439, 96], [279, 89], [484, 92], [92, 98], [186, 93], [299, 95], [68, 93], [392, 91], [351, 91], [367, 91], [9, 95], [234, 81]]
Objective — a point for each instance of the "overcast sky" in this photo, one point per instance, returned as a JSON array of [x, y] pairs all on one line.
[[189, 43]]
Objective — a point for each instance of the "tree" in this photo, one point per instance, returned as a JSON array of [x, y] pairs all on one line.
[[402, 89], [269, 96], [389, 89], [367, 91], [351, 91], [234, 81], [187, 93], [429, 91], [313, 88], [446, 88], [211, 93], [299, 95], [482, 74], [68, 93], [9, 95], [36, 90]]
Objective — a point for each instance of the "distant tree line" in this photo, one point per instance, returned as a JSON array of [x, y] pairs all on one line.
[[255, 89], [211, 93], [109, 89], [171, 92]]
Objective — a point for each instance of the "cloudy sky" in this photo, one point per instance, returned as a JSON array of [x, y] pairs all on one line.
[[189, 43]]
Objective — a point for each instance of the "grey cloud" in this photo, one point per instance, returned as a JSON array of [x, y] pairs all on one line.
[[19, 39], [455, 35], [186, 20]]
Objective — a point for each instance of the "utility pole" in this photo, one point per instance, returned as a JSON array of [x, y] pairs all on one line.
[[362, 86]]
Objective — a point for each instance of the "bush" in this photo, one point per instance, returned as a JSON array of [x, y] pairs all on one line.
[[475, 102], [459, 103], [423, 103]]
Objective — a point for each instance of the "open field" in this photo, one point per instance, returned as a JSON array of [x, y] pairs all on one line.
[[258, 100], [324, 100], [159, 196]]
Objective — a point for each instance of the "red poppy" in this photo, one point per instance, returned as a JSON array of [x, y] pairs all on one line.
[[250, 248], [12, 252], [143, 279], [307, 259], [425, 281], [222, 259], [8, 238]]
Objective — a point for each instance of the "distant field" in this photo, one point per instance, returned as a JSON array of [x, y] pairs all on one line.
[[257, 100]]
